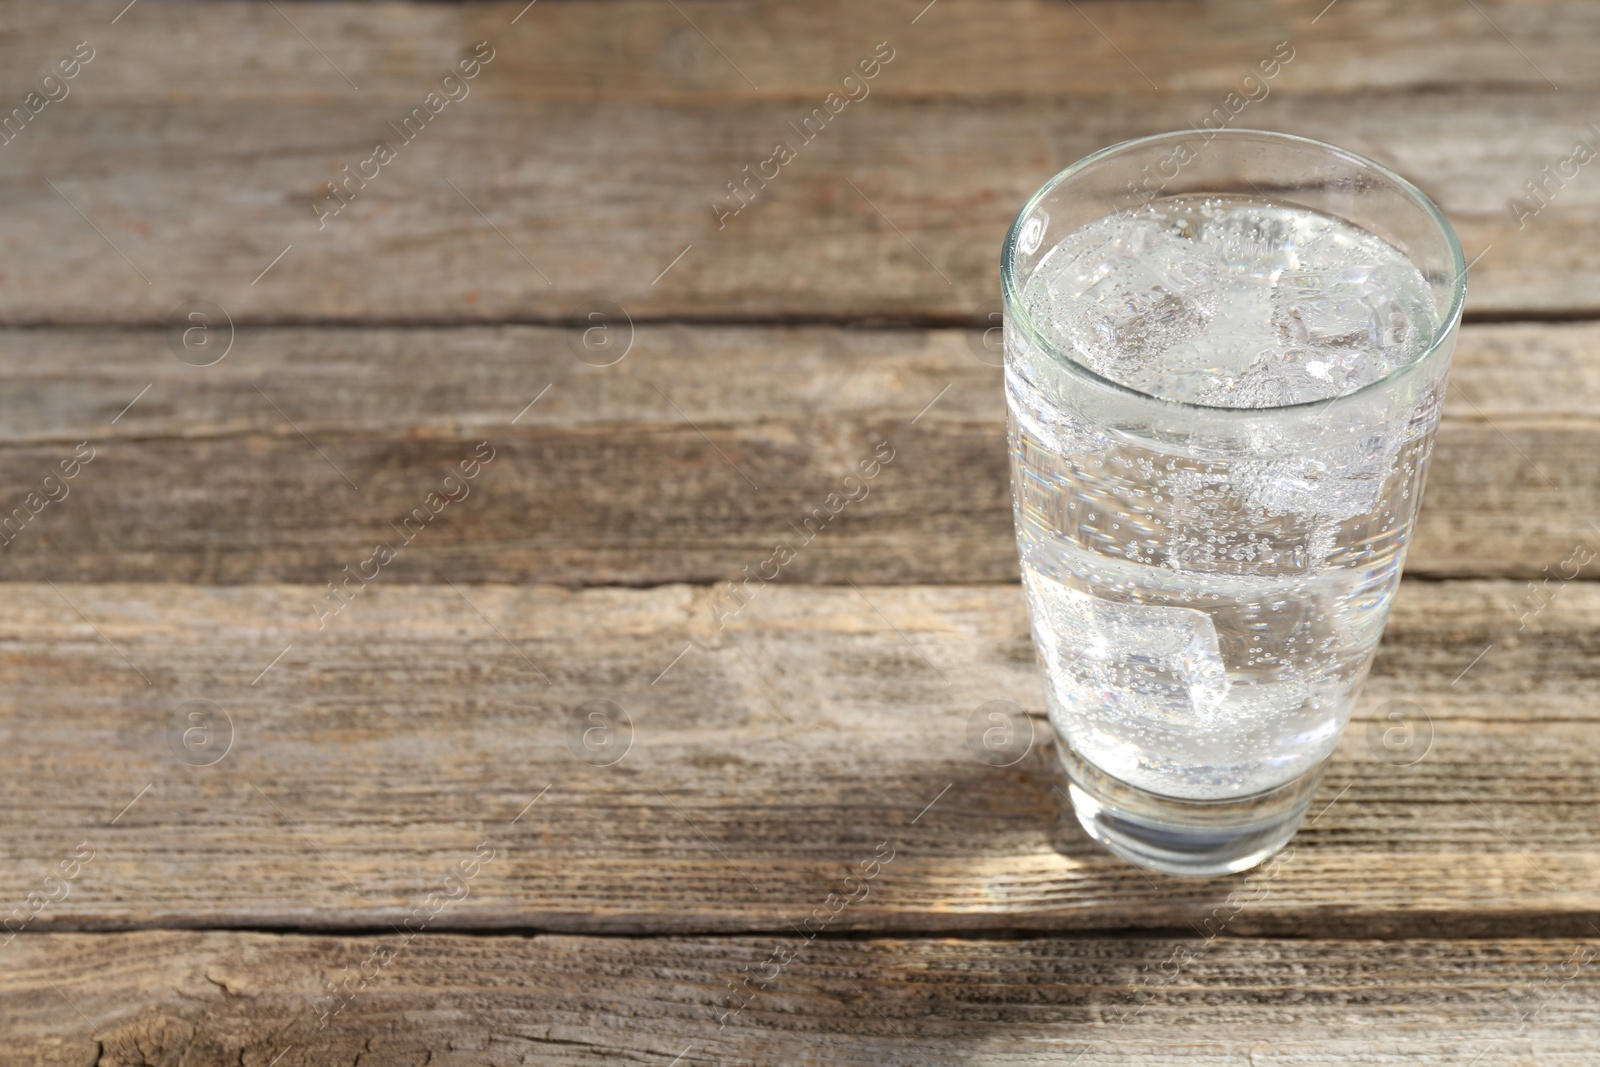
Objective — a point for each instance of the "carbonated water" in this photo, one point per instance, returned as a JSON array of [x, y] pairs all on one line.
[[1207, 588]]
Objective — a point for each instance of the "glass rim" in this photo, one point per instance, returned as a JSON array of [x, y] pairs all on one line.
[[1018, 314]]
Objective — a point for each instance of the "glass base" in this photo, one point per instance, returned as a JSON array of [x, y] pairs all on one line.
[[1186, 837]]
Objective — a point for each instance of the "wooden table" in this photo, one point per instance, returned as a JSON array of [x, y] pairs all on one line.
[[530, 791]]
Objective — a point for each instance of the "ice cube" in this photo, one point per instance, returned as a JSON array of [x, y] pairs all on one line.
[[1252, 244], [1275, 377], [1269, 381], [1347, 370], [1264, 706], [1158, 663], [1293, 485], [1311, 488], [1134, 297], [1336, 482], [1349, 309]]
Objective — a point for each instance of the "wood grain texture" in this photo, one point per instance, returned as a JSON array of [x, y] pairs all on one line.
[[760, 763], [685, 461], [221, 798], [623, 49], [119, 1000], [573, 182]]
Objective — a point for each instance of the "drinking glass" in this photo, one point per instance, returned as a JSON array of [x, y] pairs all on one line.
[[1210, 538]]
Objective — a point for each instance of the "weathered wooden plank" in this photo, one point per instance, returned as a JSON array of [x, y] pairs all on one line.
[[160, 997], [366, 766], [204, 176], [962, 48], [758, 765], [636, 473]]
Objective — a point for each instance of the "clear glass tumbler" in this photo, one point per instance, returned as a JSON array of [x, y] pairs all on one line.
[[1225, 356]]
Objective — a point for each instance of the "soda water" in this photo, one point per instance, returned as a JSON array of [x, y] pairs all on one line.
[[1208, 592]]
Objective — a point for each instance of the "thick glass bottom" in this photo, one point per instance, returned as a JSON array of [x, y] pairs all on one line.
[[1185, 837]]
